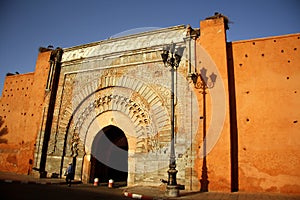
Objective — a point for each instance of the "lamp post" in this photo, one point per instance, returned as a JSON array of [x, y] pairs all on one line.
[[203, 84], [171, 58]]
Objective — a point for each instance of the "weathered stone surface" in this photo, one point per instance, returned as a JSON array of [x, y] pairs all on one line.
[[121, 79]]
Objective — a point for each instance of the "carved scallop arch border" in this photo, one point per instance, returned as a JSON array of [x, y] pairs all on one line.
[[156, 111], [140, 118]]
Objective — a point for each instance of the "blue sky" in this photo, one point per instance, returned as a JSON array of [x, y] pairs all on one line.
[[28, 24]]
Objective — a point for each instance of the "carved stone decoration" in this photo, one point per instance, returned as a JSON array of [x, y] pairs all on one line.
[[165, 93], [74, 144], [145, 105], [117, 45], [133, 107], [153, 143]]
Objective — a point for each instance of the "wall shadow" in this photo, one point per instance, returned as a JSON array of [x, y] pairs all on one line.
[[203, 83], [233, 121], [204, 176]]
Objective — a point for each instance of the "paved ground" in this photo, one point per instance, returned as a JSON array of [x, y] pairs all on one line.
[[17, 191], [148, 192], [158, 193]]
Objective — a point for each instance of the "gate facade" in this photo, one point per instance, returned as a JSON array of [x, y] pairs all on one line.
[[123, 82]]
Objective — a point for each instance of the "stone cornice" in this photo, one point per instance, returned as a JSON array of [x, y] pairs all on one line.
[[114, 46]]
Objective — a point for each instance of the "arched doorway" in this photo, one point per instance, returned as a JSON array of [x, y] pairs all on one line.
[[109, 156]]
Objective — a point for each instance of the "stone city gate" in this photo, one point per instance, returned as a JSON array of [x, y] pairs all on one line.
[[128, 88], [119, 88], [129, 105]]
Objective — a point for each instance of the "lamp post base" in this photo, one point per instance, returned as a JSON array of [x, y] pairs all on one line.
[[172, 191]]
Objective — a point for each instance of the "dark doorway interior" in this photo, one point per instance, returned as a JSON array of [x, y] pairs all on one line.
[[109, 156]]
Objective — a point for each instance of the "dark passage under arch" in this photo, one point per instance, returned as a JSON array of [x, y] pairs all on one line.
[[109, 155]]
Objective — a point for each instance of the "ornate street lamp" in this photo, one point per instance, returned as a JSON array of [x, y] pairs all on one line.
[[202, 82], [171, 57]]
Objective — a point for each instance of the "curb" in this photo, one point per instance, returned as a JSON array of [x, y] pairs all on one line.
[[137, 196], [30, 182]]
